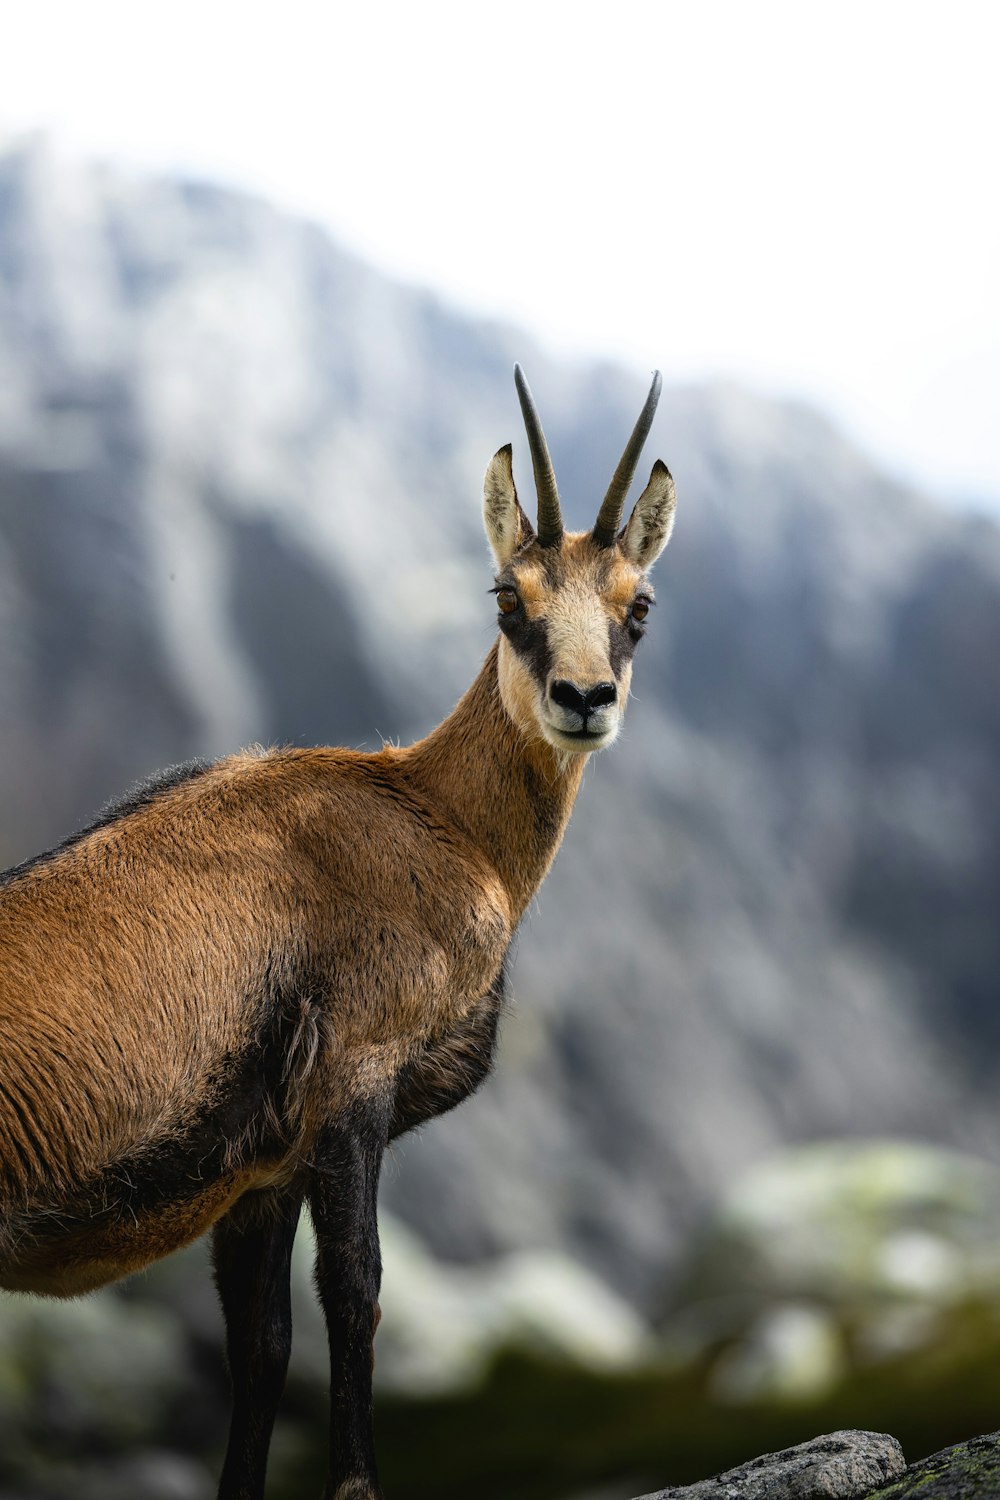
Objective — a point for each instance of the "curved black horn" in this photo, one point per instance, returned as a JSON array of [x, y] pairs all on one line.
[[550, 525], [609, 516]]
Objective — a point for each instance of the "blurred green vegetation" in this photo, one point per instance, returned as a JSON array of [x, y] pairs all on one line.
[[843, 1285], [546, 1432], [535, 1427]]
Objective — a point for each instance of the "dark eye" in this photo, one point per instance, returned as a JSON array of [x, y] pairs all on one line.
[[640, 609], [506, 601]]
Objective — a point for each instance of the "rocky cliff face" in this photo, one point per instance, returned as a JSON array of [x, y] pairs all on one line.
[[239, 500]]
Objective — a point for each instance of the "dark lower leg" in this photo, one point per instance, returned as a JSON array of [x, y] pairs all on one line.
[[342, 1200], [251, 1251]]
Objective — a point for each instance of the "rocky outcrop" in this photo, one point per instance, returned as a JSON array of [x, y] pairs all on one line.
[[852, 1466], [839, 1466]]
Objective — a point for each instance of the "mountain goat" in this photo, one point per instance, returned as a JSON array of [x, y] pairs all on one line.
[[226, 996]]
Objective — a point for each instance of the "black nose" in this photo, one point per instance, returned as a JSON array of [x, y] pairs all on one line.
[[568, 696]]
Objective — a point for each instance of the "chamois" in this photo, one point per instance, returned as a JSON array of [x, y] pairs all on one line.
[[225, 997]]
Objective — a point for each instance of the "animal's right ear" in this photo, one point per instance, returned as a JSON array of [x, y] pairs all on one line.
[[652, 520], [507, 527]]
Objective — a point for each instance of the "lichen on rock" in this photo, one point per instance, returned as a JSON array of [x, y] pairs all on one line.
[[967, 1471]]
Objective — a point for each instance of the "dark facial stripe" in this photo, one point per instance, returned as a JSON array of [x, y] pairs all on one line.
[[622, 641], [530, 639]]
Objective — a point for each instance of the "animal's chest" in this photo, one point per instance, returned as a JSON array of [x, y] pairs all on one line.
[[416, 963]]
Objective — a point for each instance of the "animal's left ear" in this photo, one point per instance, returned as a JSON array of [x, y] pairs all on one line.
[[507, 527], [652, 520]]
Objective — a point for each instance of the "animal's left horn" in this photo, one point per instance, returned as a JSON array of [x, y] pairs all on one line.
[[550, 524], [609, 516]]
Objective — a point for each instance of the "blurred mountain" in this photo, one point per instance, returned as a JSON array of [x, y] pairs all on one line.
[[240, 500]]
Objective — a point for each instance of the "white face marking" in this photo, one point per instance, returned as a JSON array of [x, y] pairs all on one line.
[[577, 624], [557, 677]]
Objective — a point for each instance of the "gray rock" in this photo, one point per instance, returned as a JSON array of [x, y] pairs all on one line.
[[968, 1471], [844, 1465]]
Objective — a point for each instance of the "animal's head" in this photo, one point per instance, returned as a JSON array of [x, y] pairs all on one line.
[[573, 605]]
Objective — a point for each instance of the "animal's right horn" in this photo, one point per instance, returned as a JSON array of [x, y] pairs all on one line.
[[550, 523], [610, 514]]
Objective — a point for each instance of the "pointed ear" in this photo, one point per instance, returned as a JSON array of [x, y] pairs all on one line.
[[652, 520], [507, 527]]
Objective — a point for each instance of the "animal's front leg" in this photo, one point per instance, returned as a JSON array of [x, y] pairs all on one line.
[[252, 1251], [342, 1200]]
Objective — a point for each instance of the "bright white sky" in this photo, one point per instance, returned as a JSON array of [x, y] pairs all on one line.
[[802, 196]]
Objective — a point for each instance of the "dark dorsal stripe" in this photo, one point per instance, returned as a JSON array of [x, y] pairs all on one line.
[[138, 796]]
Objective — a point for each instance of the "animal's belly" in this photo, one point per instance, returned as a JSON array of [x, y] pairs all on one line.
[[81, 1255]]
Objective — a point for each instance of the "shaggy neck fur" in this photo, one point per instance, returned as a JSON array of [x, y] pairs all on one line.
[[509, 792]]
